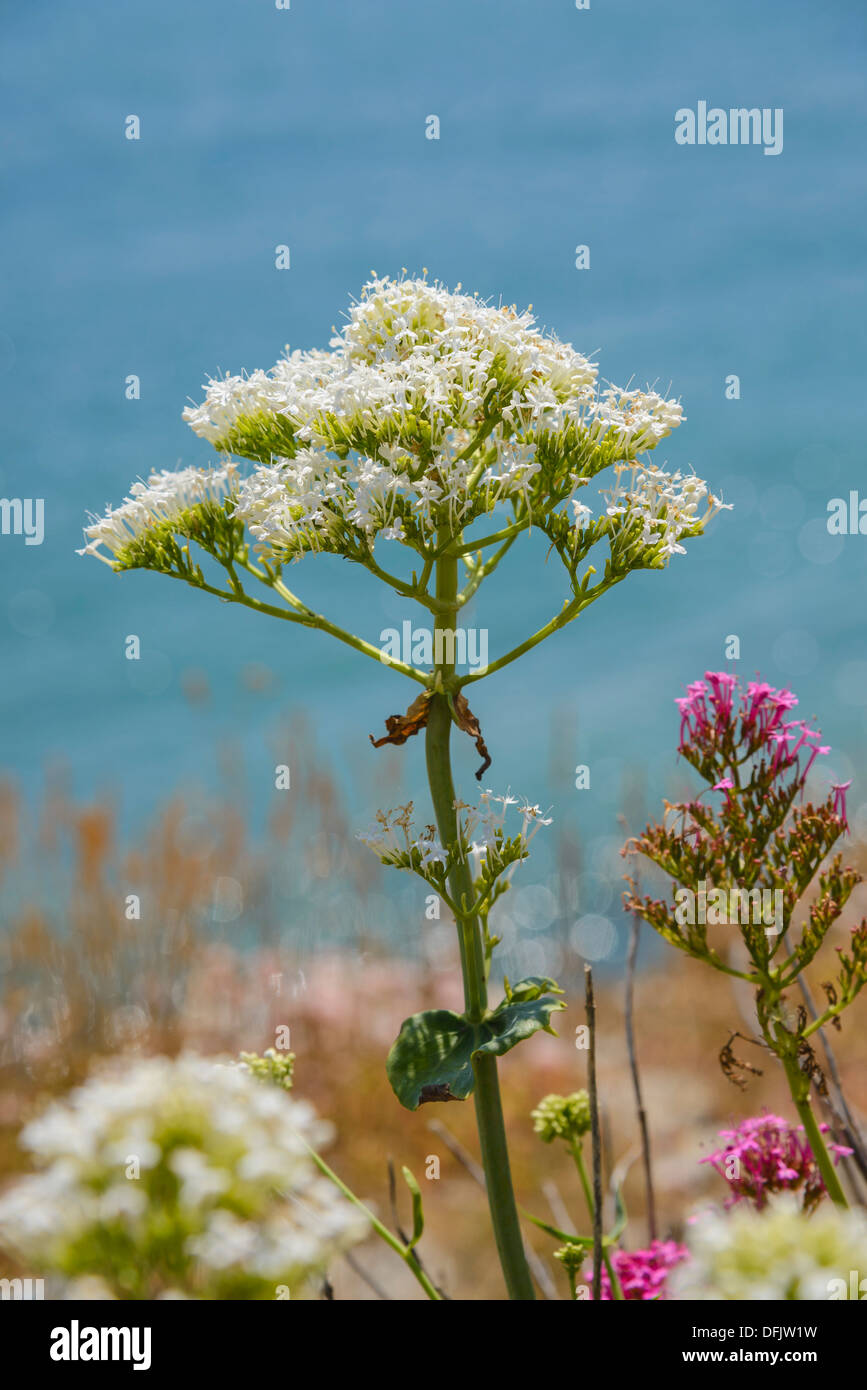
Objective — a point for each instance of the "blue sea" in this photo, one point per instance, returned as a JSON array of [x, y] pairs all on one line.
[[305, 127]]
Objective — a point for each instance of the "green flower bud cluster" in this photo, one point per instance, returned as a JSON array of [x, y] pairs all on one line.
[[562, 1117], [276, 1067]]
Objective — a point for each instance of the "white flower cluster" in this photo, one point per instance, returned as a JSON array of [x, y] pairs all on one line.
[[411, 349], [178, 1177], [776, 1253], [393, 840], [664, 504], [481, 831], [162, 498], [231, 398], [483, 827], [429, 410]]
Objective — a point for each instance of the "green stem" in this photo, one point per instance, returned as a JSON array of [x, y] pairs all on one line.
[[799, 1085], [482, 571], [826, 1017], [407, 1254], [749, 975], [582, 1173], [304, 616], [570, 610], [616, 1290], [414, 591], [507, 533], [442, 792], [489, 1111]]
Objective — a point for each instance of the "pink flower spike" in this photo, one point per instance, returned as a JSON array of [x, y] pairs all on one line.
[[725, 785], [643, 1273], [773, 1156]]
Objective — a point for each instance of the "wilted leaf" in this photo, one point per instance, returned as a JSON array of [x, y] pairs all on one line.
[[468, 722], [402, 726], [432, 1057]]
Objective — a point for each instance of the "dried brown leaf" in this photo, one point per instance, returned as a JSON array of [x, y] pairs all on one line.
[[468, 722], [402, 726], [733, 1066]]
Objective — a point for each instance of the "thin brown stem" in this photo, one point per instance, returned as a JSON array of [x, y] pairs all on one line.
[[590, 1009], [636, 1078]]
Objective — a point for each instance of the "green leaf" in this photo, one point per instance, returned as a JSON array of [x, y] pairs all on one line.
[[417, 1211], [586, 1242], [432, 1057], [532, 988]]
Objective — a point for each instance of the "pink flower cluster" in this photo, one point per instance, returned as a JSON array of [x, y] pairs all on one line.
[[765, 1154], [709, 714], [642, 1273]]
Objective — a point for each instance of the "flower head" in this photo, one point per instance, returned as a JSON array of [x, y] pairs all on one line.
[[571, 1258], [663, 507], [482, 836], [161, 501], [765, 1155], [430, 409], [777, 1252], [178, 1175], [643, 1274], [273, 1066], [562, 1117], [723, 725]]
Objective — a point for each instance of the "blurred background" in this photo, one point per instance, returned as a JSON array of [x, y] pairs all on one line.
[[306, 127]]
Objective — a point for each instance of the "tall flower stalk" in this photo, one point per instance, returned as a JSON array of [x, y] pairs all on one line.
[[444, 429], [744, 853]]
